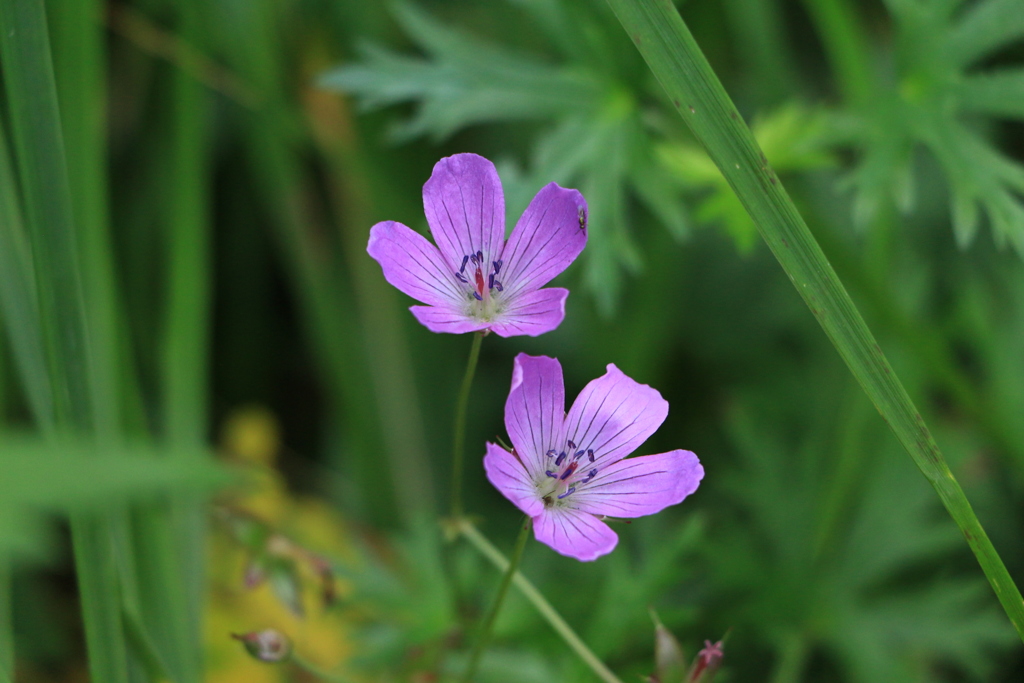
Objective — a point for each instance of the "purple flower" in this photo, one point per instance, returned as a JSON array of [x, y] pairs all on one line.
[[568, 471], [474, 279]]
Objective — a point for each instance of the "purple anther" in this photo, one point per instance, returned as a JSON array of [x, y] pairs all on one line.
[[590, 454], [490, 281], [472, 257], [497, 285], [461, 278], [497, 266], [568, 472], [569, 490], [571, 444], [551, 474], [579, 454], [551, 453], [561, 457], [480, 257], [464, 259], [477, 296], [590, 475]]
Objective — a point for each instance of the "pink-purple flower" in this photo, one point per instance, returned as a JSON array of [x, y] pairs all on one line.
[[473, 279], [567, 472]]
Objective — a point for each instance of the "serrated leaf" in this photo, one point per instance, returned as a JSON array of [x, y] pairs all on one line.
[[468, 81], [996, 93], [928, 108]]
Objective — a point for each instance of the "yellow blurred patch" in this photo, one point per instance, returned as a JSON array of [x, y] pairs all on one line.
[[323, 635]]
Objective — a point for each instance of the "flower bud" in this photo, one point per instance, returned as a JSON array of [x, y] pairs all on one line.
[[707, 662], [267, 645]]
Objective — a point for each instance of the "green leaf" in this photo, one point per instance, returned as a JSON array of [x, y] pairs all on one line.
[[938, 106], [985, 27], [468, 81], [834, 543], [673, 55], [996, 93], [39, 477], [19, 302]]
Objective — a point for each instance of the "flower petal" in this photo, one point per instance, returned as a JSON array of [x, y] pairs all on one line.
[[412, 264], [574, 533], [535, 409], [532, 313], [640, 486], [613, 415], [547, 238], [446, 318], [465, 208], [509, 476]]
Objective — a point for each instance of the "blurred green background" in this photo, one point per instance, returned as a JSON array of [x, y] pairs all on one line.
[[186, 192]]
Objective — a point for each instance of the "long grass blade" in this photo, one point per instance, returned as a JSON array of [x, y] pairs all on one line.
[[35, 123], [665, 42], [174, 575], [19, 302]]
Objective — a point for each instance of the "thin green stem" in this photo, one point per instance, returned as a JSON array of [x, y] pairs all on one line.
[[459, 439], [6, 624], [847, 46], [793, 653], [485, 632], [538, 601], [314, 670], [699, 97]]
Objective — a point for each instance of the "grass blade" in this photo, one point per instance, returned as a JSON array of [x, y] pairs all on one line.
[[171, 559], [658, 31], [18, 300], [39, 147], [35, 122]]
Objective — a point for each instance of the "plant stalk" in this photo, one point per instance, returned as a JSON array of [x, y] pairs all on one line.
[[539, 602], [459, 437], [485, 633]]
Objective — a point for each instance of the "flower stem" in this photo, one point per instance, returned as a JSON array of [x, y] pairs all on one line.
[[459, 438], [506, 581], [538, 601], [315, 671]]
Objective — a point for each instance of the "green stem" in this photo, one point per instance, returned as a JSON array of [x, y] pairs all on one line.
[[538, 601], [459, 438], [847, 46], [506, 581], [6, 624], [314, 670], [792, 659], [699, 97]]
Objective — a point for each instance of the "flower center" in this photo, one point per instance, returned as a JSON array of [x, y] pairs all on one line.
[[569, 471], [480, 286]]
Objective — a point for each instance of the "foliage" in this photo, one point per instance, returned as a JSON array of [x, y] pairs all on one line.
[[944, 97], [208, 246]]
